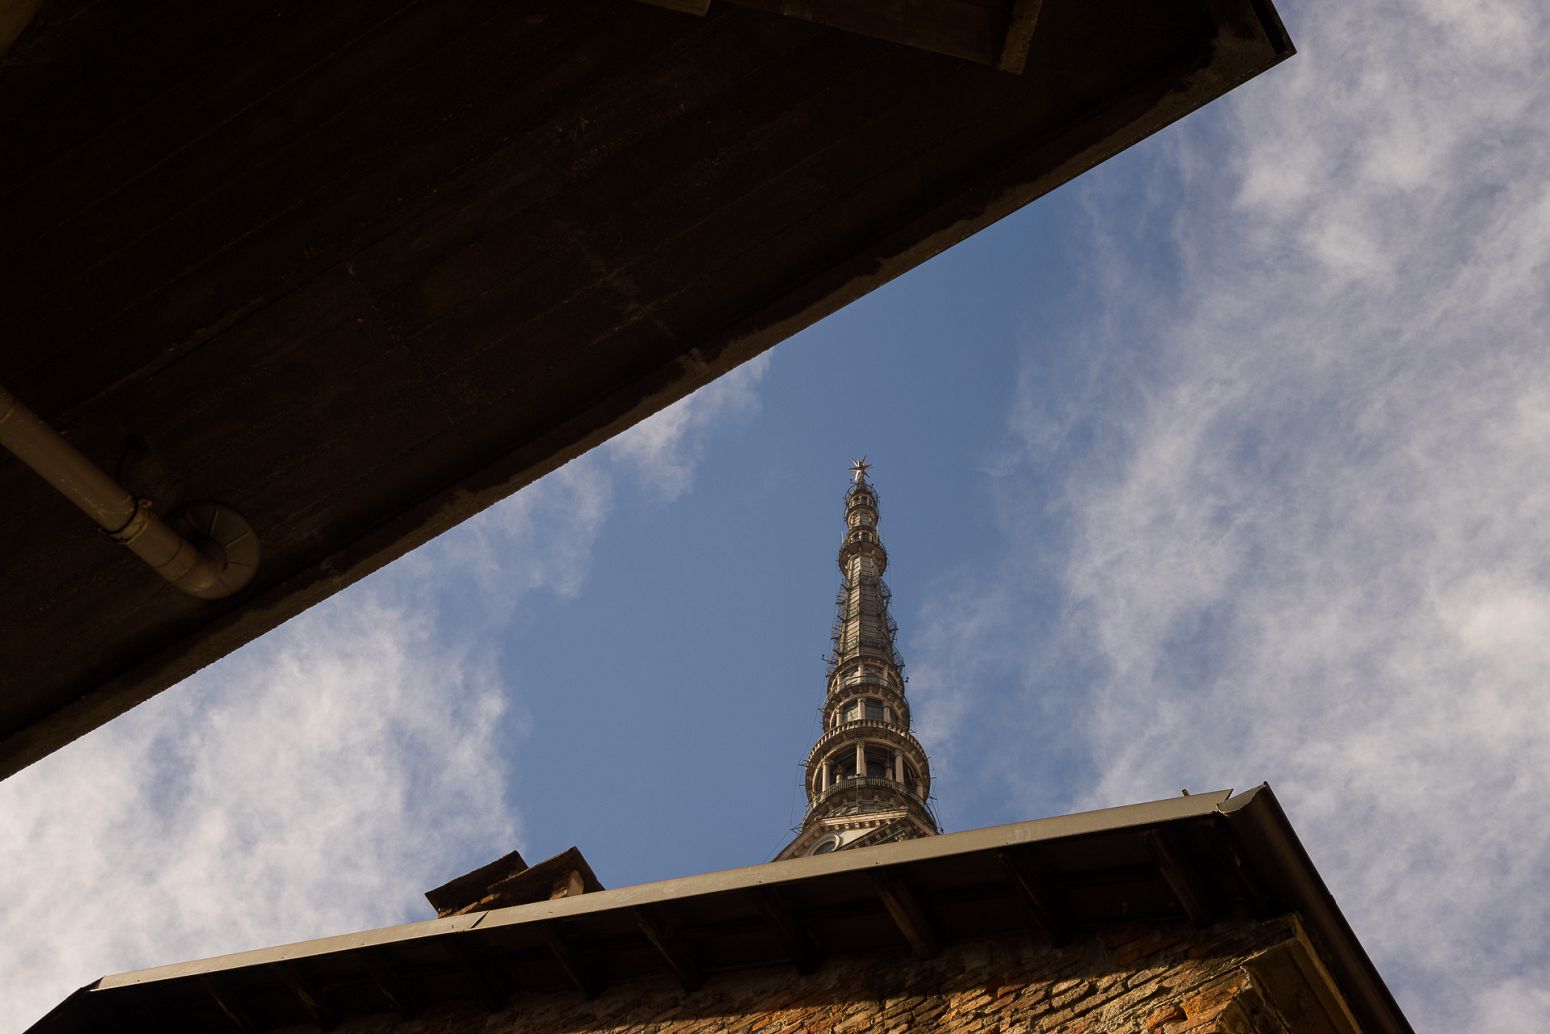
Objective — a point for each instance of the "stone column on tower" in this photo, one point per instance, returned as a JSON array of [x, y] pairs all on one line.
[[867, 778]]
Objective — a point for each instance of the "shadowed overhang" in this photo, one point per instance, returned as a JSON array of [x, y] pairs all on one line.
[[358, 270], [1198, 858]]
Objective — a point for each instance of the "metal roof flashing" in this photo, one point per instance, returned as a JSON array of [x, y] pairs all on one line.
[[1199, 857], [1263, 835]]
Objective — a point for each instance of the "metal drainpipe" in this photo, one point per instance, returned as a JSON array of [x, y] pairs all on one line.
[[214, 555]]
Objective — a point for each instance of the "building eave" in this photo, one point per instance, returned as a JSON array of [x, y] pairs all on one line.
[[1199, 857], [317, 298]]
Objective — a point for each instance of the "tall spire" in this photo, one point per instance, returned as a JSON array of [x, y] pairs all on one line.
[[868, 779]]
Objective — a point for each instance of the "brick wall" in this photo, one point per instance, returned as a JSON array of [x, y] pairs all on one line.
[[1154, 979]]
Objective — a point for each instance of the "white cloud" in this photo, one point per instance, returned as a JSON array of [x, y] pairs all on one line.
[[1516, 1004], [661, 451], [539, 539], [955, 622], [320, 779], [311, 784], [1310, 543]]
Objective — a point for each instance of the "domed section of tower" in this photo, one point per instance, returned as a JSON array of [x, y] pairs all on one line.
[[868, 779]]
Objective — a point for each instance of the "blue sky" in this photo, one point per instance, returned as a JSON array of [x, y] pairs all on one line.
[[1224, 463]]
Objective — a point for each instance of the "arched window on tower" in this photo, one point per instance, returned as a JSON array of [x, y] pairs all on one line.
[[879, 763], [863, 707], [842, 764]]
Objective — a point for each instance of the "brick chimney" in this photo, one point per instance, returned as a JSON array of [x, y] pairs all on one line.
[[511, 881]]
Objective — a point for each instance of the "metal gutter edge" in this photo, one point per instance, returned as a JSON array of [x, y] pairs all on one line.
[[792, 870], [297, 950], [1251, 825], [1264, 837]]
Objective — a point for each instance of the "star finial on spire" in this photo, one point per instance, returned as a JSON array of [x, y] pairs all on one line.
[[859, 468]]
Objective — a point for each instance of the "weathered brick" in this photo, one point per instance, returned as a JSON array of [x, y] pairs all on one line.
[[1146, 980]]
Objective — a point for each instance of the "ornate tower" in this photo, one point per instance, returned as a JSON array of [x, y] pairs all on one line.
[[868, 779]]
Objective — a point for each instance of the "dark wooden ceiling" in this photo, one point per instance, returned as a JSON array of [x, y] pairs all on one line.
[[362, 269]]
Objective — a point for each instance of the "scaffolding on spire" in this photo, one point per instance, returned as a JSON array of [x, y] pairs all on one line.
[[868, 779]]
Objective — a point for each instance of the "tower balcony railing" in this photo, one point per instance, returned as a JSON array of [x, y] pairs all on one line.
[[858, 729], [858, 785], [889, 692], [846, 679]]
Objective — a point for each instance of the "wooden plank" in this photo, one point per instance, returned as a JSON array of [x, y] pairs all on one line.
[[488, 987], [1247, 884], [141, 49], [472, 256], [1049, 915], [965, 29], [904, 908], [1182, 876], [583, 972], [804, 951], [225, 98], [1307, 1003], [393, 144], [1021, 19], [205, 203], [675, 224], [695, 7], [625, 262], [235, 1017], [307, 994], [106, 1014], [389, 984], [673, 951], [152, 1008]]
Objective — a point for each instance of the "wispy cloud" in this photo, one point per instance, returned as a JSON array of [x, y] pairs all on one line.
[[320, 779], [538, 540], [308, 785], [660, 452], [1305, 531]]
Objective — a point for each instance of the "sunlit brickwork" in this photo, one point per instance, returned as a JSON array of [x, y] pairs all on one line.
[[1153, 979]]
